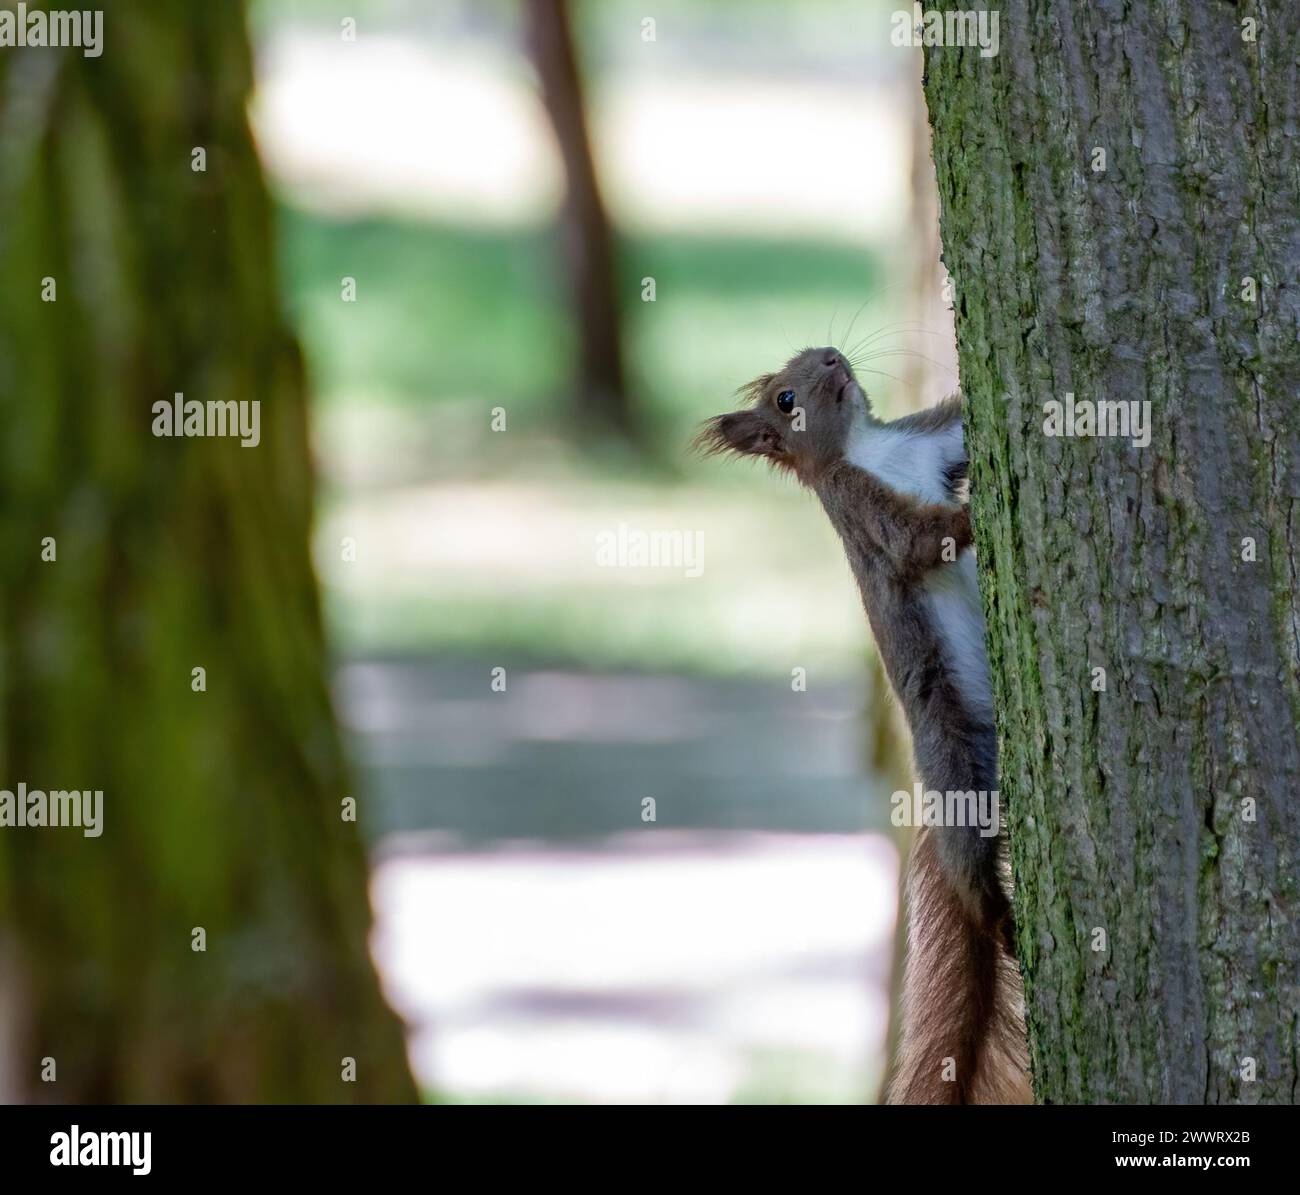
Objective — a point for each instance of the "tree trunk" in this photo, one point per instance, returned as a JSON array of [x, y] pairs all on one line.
[[1155, 837], [601, 400], [222, 807]]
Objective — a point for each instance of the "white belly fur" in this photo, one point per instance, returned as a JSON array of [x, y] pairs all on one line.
[[953, 594], [917, 464], [905, 461]]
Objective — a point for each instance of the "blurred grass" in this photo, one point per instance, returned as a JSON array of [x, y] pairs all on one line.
[[504, 570], [454, 313], [450, 322]]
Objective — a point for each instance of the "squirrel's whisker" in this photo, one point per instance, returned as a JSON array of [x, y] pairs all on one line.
[[871, 298], [909, 353]]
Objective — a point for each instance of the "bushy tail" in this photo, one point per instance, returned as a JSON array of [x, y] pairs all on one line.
[[963, 1035]]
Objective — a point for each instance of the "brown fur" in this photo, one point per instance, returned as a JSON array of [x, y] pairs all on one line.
[[963, 1038], [818, 378], [891, 542], [932, 419], [961, 986]]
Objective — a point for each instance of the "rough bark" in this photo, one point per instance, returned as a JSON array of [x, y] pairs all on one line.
[[221, 809], [602, 404], [1130, 808]]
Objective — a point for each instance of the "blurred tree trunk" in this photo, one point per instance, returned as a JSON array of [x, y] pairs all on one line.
[[602, 402], [221, 809], [1155, 841], [929, 363]]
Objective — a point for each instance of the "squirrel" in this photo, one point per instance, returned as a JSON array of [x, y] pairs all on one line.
[[892, 493]]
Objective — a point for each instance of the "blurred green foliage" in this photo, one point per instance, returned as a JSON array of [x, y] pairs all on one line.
[[451, 322], [449, 312]]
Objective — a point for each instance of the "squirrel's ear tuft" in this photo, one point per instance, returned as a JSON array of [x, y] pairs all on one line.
[[746, 433]]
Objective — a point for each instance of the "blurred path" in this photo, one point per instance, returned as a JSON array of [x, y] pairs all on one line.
[[543, 941], [566, 754], [658, 967]]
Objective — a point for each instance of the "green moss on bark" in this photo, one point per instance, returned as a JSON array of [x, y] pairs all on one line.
[[1126, 806]]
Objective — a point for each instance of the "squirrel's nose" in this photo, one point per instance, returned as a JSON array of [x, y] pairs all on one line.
[[831, 360]]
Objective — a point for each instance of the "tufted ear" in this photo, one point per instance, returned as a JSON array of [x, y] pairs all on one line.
[[746, 433]]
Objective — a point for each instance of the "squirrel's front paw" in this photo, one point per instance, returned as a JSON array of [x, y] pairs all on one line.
[[960, 528]]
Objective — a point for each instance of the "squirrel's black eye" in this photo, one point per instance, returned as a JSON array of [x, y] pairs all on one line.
[[785, 402]]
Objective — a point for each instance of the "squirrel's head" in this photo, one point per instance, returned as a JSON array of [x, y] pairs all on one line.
[[797, 418]]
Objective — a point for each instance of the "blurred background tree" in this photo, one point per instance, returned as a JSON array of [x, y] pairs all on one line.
[[602, 404], [222, 807]]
